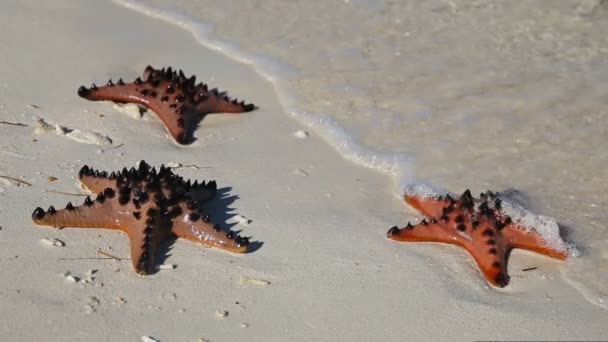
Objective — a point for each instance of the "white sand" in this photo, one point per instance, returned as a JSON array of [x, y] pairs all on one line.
[[331, 273]]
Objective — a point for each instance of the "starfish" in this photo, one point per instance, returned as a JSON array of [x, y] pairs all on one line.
[[147, 205], [478, 225], [179, 102]]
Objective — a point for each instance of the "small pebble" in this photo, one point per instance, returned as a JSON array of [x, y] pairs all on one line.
[[89, 309], [221, 313], [301, 134], [52, 179], [171, 295], [244, 325]]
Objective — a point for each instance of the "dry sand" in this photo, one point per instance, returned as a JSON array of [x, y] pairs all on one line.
[[324, 270]]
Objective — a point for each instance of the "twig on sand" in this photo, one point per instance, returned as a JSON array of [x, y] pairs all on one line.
[[196, 167], [108, 255], [113, 147], [529, 269], [90, 258], [175, 165], [13, 123], [67, 193], [13, 179]]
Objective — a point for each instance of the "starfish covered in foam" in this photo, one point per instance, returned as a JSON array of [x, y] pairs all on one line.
[[179, 102], [147, 205], [480, 226]]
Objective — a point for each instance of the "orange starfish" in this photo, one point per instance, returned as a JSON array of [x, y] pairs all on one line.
[[149, 207], [179, 102], [477, 225]]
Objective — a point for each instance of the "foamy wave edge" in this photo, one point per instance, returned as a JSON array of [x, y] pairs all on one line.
[[398, 166]]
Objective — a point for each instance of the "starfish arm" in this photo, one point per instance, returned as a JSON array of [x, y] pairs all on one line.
[[145, 237], [120, 93], [220, 103], [429, 206], [193, 226], [96, 181], [426, 232], [143, 94], [494, 268], [491, 255], [532, 241], [92, 214]]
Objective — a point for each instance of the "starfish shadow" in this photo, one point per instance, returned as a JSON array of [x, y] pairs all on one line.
[[567, 232], [192, 121], [220, 211]]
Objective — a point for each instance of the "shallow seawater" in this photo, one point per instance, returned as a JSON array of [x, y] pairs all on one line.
[[460, 94]]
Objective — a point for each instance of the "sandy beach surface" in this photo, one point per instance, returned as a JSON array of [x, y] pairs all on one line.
[[322, 270]]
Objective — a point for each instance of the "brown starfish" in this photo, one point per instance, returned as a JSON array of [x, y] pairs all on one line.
[[477, 225], [179, 102], [149, 207]]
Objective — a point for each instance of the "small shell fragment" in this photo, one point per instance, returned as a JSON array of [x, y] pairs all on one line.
[[242, 220], [52, 242], [166, 267], [52, 178], [300, 172], [221, 314], [148, 339], [174, 164], [254, 281]]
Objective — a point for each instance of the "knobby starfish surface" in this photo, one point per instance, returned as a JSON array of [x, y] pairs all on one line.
[[147, 205], [477, 225], [179, 102]]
